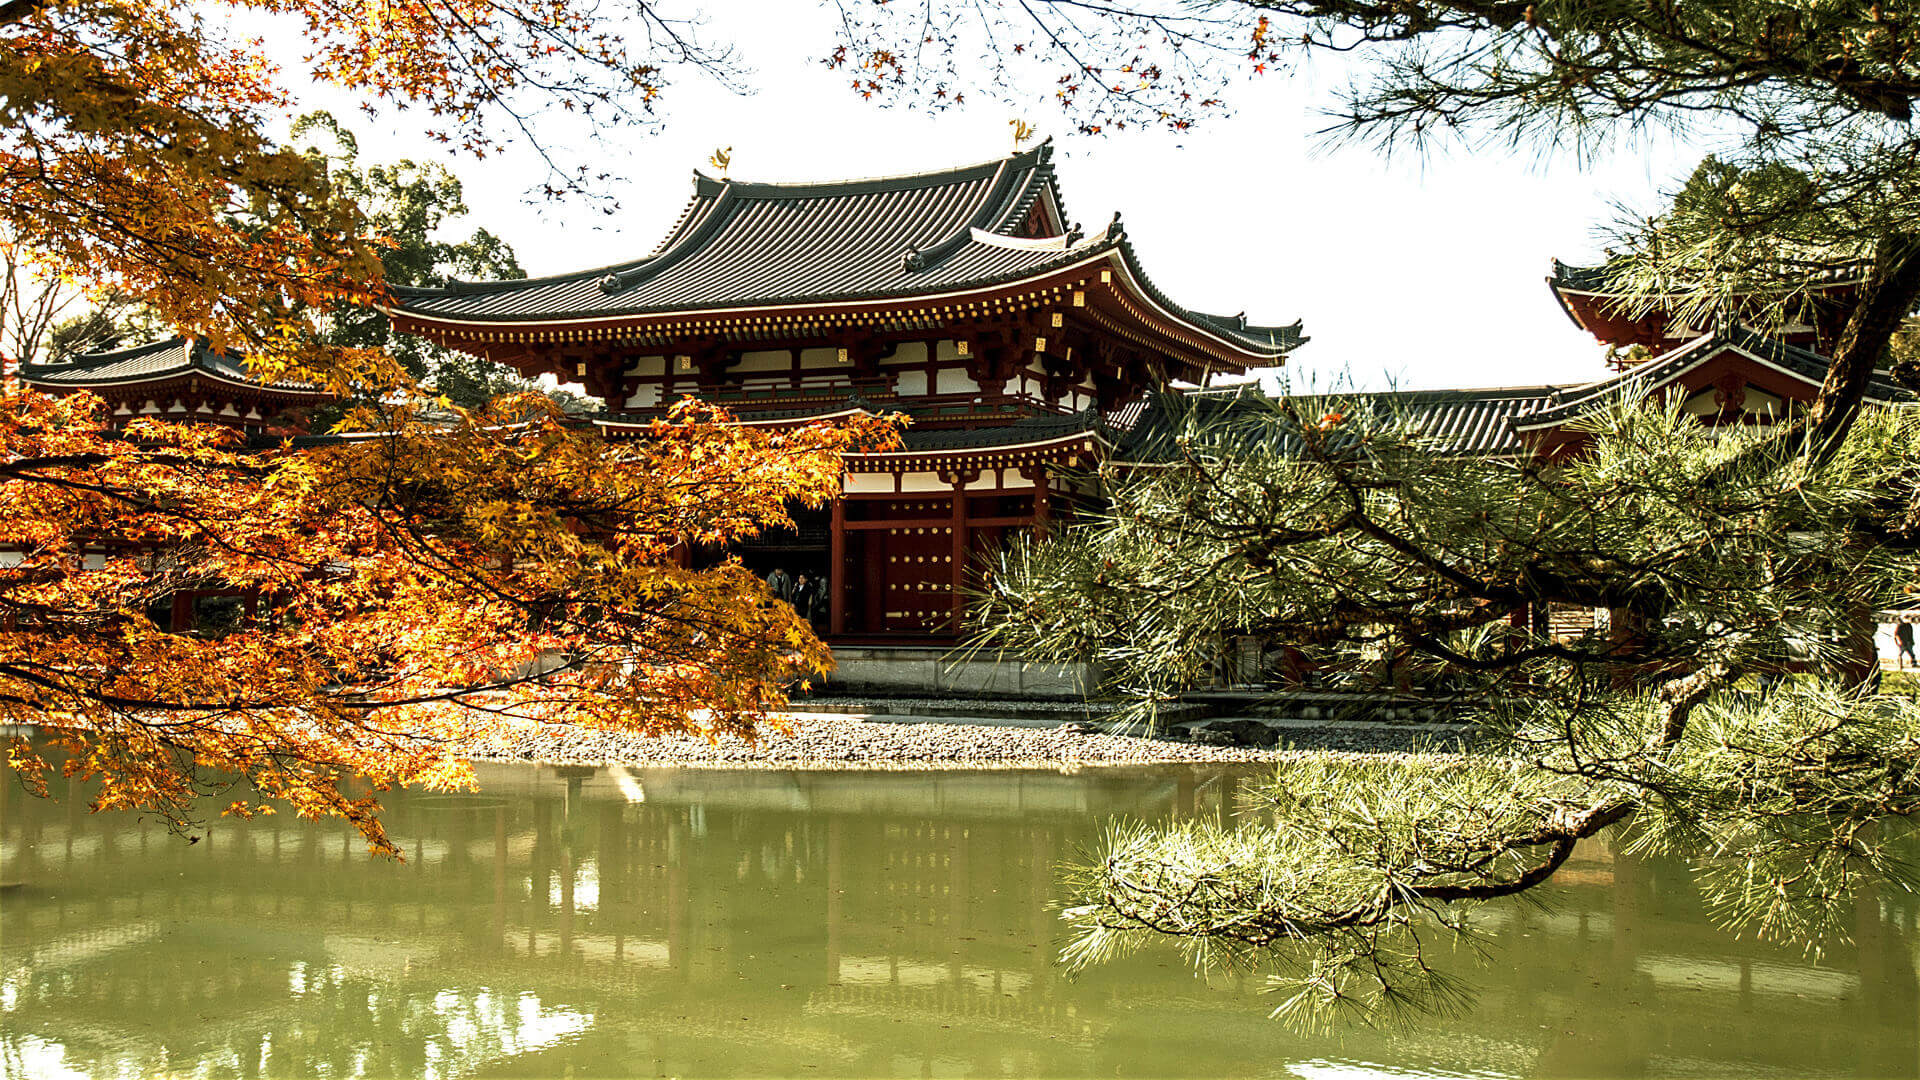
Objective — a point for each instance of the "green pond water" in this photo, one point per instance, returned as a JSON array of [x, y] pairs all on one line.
[[613, 922]]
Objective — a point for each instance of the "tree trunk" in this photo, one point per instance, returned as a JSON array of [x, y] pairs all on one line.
[[1886, 298]]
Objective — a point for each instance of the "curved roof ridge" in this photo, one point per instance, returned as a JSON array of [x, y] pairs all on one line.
[[167, 357], [1597, 280], [703, 212], [1043, 181], [1803, 364], [1281, 339], [683, 226], [988, 212], [787, 189], [125, 352], [1579, 398], [690, 240], [683, 222], [463, 287]]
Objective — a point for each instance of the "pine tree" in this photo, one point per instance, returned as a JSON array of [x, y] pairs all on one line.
[[1722, 554]]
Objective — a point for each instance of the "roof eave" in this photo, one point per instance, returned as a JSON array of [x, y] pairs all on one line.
[[1111, 253]]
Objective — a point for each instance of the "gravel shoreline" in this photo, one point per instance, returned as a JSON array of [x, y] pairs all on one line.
[[824, 741]]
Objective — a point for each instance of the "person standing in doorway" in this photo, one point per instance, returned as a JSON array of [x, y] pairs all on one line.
[[1903, 638], [803, 597], [781, 583], [822, 604]]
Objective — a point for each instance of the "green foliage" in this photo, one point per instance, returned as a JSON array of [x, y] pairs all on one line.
[[411, 205], [1325, 523], [1720, 552], [1337, 865], [114, 321]]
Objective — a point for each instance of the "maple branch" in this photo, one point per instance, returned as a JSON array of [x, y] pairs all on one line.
[[13, 11]]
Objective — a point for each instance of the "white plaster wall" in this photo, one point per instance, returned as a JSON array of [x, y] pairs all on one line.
[[924, 481], [910, 352], [869, 484], [955, 381], [648, 365], [946, 351], [910, 382], [645, 397], [820, 358], [765, 360]]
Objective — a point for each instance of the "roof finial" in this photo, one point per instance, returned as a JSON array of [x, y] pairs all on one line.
[[1022, 132], [720, 159]]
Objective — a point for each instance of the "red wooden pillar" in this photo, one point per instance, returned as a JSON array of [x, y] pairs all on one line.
[[957, 577], [1042, 505], [838, 579], [954, 596]]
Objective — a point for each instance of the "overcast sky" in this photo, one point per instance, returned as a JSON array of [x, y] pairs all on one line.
[[1411, 272]]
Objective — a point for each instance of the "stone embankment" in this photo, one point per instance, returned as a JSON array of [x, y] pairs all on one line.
[[854, 742]]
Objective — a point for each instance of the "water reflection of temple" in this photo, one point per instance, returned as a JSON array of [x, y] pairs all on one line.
[[747, 922]]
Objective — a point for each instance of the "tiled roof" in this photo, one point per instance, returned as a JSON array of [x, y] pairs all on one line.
[[1599, 279], [152, 362], [742, 244], [1474, 421], [1032, 429], [1471, 421], [1808, 366], [1592, 279], [1013, 432]]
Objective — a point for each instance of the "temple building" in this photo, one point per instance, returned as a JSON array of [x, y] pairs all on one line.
[[1023, 349], [180, 379], [1725, 375], [964, 298], [1595, 304]]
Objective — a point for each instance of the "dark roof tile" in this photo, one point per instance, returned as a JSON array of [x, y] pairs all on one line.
[[152, 362], [742, 244], [1465, 422], [1804, 364]]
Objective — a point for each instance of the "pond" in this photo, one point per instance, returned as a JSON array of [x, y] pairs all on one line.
[[616, 922]]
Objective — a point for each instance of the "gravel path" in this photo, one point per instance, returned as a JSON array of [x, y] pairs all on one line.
[[821, 741]]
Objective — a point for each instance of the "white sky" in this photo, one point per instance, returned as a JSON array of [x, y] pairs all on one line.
[[1409, 273]]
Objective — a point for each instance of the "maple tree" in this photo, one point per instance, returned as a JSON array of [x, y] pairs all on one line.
[[408, 587], [137, 154], [419, 589], [412, 206]]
